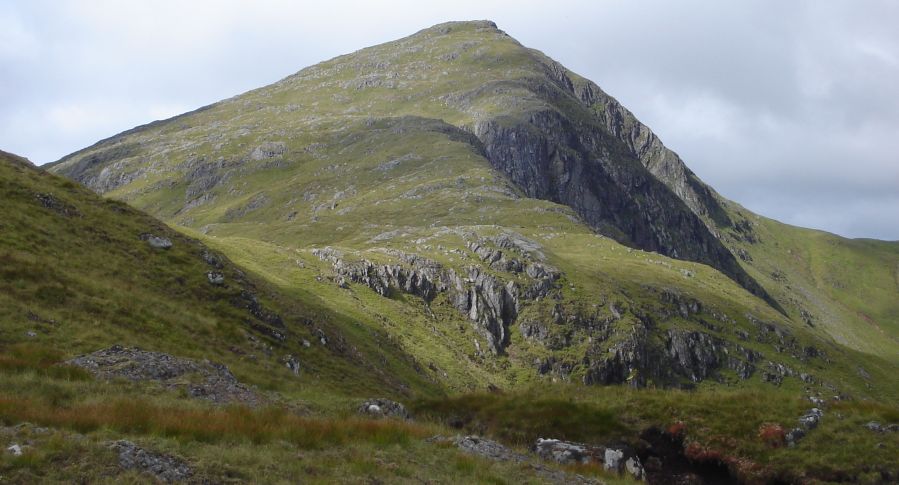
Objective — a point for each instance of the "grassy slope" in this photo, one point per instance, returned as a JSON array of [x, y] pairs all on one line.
[[85, 280], [848, 288]]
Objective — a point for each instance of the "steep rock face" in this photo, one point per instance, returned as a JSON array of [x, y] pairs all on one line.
[[682, 356], [489, 302], [642, 143], [552, 157]]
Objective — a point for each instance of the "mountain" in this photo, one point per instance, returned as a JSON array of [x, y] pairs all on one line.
[[505, 224]]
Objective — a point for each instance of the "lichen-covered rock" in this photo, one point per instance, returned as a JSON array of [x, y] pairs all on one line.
[[383, 408], [270, 149], [49, 201], [293, 364], [163, 467], [566, 452], [489, 449], [156, 242], [200, 379], [623, 459], [696, 354], [882, 428], [215, 278]]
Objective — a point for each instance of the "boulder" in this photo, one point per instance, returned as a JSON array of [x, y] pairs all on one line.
[[810, 419], [215, 278], [623, 460], [165, 468], [565, 452], [475, 445], [156, 242], [293, 364], [269, 149], [383, 408], [201, 379]]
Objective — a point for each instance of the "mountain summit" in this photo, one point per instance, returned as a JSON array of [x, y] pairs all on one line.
[[455, 132], [555, 135]]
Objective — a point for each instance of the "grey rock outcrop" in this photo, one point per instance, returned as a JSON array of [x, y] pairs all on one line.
[[492, 450], [270, 149], [807, 422], [156, 242], [49, 201], [383, 408], [566, 452], [200, 379], [881, 428], [623, 460], [492, 304], [489, 449], [165, 468], [690, 355], [215, 278]]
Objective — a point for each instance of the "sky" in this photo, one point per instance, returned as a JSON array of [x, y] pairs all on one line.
[[789, 108]]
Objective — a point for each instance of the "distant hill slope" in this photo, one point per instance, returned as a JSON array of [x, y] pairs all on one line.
[[448, 188], [80, 273]]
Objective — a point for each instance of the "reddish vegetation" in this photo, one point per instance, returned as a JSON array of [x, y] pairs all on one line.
[[772, 435], [678, 429]]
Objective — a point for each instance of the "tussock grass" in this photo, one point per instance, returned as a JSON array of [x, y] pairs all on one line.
[[135, 416], [521, 419], [44, 361]]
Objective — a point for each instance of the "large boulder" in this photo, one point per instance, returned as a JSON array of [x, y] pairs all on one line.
[[565, 452], [383, 408], [623, 459]]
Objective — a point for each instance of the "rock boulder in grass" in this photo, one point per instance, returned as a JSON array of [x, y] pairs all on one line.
[[156, 242], [384, 408], [270, 149], [215, 278], [475, 445], [566, 452], [200, 379], [165, 468], [623, 459]]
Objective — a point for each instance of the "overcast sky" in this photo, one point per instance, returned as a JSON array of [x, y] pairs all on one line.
[[790, 108]]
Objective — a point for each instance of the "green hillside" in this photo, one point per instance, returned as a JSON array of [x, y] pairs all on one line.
[[458, 222]]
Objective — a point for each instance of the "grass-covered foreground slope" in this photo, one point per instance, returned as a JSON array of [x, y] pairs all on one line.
[[77, 276]]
